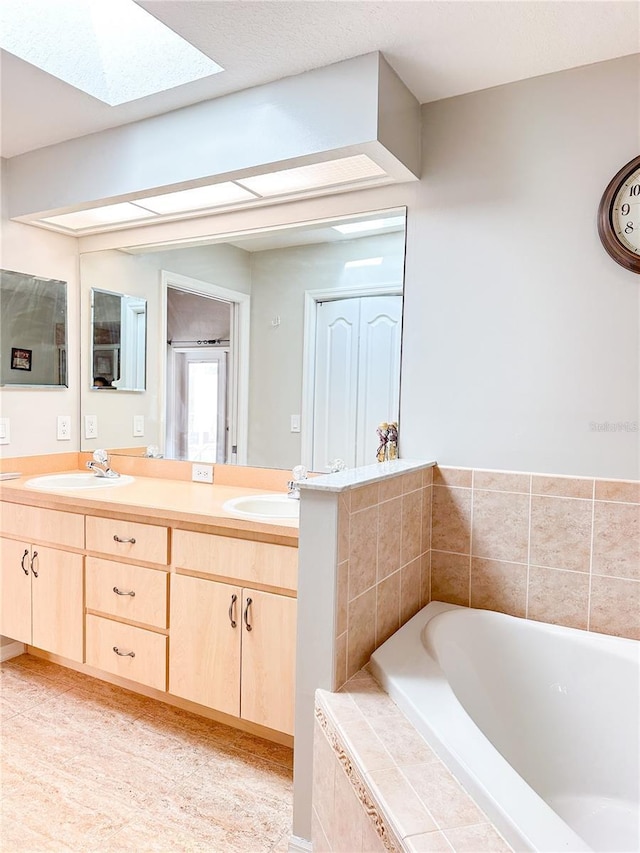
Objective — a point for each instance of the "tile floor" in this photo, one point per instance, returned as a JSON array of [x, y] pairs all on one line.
[[87, 766]]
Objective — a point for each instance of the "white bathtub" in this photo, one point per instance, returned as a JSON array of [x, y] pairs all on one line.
[[539, 723]]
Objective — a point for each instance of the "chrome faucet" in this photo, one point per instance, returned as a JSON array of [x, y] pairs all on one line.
[[100, 465], [299, 474]]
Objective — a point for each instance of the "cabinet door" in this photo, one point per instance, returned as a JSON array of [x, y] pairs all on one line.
[[204, 645], [268, 659], [57, 602], [15, 590]]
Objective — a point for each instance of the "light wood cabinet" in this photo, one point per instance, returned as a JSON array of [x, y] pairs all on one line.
[[233, 650], [243, 560], [204, 650], [148, 543], [127, 651], [128, 592], [42, 597], [268, 659]]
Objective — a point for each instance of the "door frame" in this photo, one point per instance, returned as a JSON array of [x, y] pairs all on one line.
[[312, 298], [238, 384]]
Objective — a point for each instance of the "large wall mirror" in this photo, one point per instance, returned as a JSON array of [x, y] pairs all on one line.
[[272, 348], [33, 330]]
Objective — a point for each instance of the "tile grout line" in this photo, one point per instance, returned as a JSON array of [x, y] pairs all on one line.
[[473, 475], [593, 521], [526, 601]]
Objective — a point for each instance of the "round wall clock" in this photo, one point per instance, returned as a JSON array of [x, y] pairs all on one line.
[[619, 216]]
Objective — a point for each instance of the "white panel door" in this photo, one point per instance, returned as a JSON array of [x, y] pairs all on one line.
[[378, 371], [357, 376], [336, 383]]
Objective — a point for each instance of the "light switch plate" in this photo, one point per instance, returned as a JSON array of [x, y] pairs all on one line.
[[138, 425], [64, 428], [295, 423], [90, 426], [5, 431]]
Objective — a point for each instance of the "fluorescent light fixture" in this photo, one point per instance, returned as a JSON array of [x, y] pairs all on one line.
[[198, 198], [370, 225], [107, 215], [114, 50], [364, 262], [331, 172]]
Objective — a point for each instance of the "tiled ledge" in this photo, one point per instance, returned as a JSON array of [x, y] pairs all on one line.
[[398, 795], [341, 481]]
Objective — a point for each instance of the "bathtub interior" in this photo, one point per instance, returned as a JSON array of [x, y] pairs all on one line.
[[539, 722], [560, 706]]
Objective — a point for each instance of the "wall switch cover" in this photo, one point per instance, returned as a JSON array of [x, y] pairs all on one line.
[[5, 431], [201, 473], [295, 423], [64, 428], [90, 426], [138, 425]]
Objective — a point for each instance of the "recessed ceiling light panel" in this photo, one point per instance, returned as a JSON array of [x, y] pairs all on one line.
[[114, 50], [370, 225], [363, 262], [198, 198], [331, 172], [107, 215]]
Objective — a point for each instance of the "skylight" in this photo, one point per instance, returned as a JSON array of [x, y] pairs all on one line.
[[111, 49]]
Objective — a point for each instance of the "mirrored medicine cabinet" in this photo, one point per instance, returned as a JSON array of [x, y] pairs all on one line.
[[33, 331], [271, 348]]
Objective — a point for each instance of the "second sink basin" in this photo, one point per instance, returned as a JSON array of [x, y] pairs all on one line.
[[67, 482], [264, 507]]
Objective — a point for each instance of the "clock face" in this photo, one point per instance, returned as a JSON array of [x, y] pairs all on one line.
[[619, 217], [625, 213]]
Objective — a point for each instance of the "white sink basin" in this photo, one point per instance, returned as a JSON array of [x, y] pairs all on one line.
[[264, 507], [69, 482]]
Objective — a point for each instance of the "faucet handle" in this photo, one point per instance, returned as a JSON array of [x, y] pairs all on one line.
[[299, 473], [100, 456]]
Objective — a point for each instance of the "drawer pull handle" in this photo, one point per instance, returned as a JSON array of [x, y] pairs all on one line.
[[22, 565], [234, 598], [33, 560], [123, 592], [124, 654], [118, 539], [246, 614]]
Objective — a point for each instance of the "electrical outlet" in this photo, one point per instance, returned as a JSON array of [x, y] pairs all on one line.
[[90, 426], [138, 425], [64, 428], [201, 473], [5, 431]]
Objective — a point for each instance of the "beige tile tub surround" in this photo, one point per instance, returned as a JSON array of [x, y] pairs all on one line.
[[556, 549], [378, 786], [384, 539]]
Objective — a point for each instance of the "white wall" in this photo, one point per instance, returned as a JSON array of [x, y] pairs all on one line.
[[33, 413], [519, 330]]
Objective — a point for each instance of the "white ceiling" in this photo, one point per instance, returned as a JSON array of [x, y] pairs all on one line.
[[440, 48]]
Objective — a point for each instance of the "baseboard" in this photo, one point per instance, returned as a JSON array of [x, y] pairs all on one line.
[[299, 845], [11, 650]]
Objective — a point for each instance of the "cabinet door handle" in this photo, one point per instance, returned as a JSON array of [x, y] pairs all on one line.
[[124, 592], [246, 614], [116, 538], [234, 598], [22, 565], [124, 654], [33, 560]]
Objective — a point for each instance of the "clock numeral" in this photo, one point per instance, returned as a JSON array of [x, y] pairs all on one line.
[[624, 210], [628, 228], [634, 190]]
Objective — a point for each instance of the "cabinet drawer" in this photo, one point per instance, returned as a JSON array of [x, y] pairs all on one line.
[[110, 586], [240, 559], [147, 542], [42, 525], [148, 665]]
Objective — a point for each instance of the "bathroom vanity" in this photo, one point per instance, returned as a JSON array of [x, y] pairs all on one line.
[[154, 586]]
